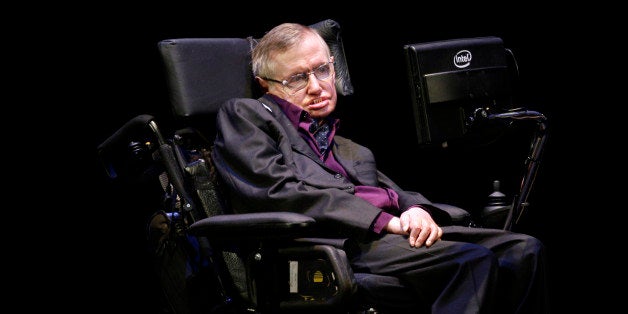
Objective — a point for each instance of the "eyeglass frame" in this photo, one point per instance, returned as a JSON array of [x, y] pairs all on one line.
[[284, 83]]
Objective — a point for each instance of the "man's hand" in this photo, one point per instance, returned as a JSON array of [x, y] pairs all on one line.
[[418, 224]]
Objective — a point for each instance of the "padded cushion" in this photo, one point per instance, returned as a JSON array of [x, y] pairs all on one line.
[[202, 73], [330, 31]]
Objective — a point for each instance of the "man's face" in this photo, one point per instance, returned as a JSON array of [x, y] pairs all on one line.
[[318, 97]]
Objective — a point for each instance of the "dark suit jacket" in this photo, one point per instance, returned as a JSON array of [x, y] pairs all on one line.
[[267, 166]]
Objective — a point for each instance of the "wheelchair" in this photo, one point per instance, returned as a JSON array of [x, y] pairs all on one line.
[[208, 259]]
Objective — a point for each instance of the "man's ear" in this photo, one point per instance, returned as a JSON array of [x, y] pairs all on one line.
[[262, 83]]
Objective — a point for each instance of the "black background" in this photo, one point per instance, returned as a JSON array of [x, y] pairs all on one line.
[[106, 69]]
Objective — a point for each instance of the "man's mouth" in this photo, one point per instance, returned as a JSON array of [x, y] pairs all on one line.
[[317, 103]]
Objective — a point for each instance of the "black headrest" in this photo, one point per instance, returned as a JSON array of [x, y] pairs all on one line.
[[330, 31], [202, 73]]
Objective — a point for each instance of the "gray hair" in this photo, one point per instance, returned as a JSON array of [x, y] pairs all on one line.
[[279, 39]]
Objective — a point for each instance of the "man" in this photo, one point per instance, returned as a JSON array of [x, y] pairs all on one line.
[[281, 151]]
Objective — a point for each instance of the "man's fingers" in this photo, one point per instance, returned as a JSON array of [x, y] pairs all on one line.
[[434, 236], [414, 238], [418, 234], [424, 235]]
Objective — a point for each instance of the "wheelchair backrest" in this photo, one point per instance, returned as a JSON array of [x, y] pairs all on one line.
[[202, 73]]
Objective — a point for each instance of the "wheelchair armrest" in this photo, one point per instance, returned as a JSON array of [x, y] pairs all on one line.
[[285, 259], [457, 215], [273, 225]]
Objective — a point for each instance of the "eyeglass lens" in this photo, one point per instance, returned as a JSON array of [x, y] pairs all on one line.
[[299, 81]]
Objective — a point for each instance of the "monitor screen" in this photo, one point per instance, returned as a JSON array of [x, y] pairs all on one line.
[[451, 79]]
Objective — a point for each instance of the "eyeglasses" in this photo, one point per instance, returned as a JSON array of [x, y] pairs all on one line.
[[297, 82]]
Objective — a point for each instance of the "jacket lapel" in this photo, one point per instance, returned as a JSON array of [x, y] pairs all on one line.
[[298, 144]]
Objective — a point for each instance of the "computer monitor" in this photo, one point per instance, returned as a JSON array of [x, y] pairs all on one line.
[[454, 83]]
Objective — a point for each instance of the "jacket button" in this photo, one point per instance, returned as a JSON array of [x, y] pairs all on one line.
[[338, 176]]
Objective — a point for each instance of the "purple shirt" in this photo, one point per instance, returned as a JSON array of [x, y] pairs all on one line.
[[384, 198]]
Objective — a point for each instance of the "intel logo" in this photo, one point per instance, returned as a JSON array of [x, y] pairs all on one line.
[[462, 59]]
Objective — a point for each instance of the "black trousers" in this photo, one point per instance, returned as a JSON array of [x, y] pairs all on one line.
[[470, 270]]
